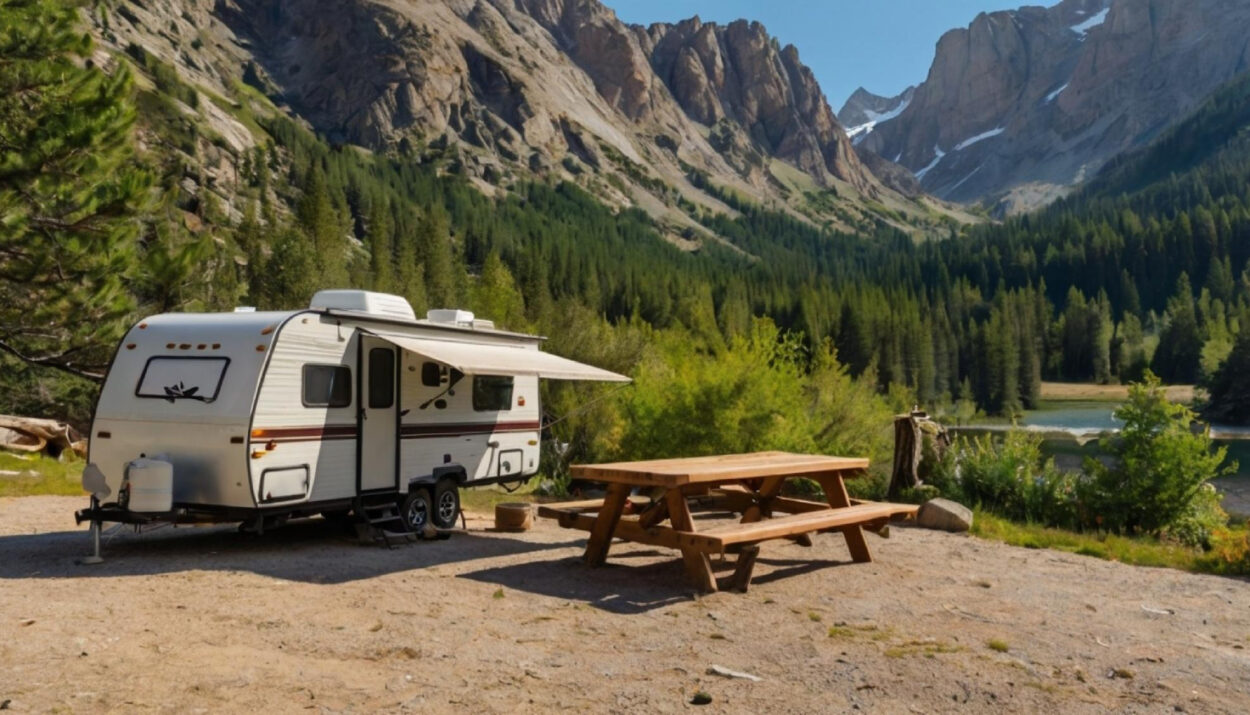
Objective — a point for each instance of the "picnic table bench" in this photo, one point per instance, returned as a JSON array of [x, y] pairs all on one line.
[[749, 484]]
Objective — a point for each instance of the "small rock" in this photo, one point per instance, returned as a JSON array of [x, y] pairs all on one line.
[[944, 515], [701, 698]]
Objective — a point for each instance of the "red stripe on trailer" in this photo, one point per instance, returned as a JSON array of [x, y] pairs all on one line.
[[466, 428], [304, 434], [343, 432]]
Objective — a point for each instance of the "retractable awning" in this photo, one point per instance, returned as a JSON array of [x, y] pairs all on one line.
[[479, 359]]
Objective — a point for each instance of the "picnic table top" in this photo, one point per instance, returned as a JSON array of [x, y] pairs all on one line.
[[720, 468]]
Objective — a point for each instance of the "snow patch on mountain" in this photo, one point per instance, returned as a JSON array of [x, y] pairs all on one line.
[[1091, 23], [1055, 94], [858, 133], [980, 137], [933, 164]]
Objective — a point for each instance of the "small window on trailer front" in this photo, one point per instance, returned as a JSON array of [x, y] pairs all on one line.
[[492, 393], [182, 378], [327, 386]]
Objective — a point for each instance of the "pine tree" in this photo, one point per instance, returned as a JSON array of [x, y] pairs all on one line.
[[291, 272], [410, 274], [434, 248], [1230, 386], [320, 222], [496, 297], [70, 192], [381, 249], [1179, 354]]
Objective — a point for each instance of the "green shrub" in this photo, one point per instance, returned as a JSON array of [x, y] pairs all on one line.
[[996, 475], [1200, 521], [1159, 465]]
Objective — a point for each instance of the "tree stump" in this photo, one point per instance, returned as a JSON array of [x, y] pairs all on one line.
[[909, 435]]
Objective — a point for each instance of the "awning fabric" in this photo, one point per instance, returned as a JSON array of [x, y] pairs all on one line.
[[478, 359]]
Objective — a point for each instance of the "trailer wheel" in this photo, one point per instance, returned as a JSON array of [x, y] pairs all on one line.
[[416, 509], [446, 504]]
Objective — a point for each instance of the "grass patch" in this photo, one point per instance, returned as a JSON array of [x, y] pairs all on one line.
[[1086, 392], [39, 475], [926, 648], [813, 616], [1139, 551], [997, 644], [484, 499]]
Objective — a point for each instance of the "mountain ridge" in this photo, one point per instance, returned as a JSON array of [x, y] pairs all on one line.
[[1022, 105], [505, 90]]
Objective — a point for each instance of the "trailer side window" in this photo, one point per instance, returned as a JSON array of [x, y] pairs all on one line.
[[431, 374], [327, 386], [381, 378], [182, 378], [492, 393]]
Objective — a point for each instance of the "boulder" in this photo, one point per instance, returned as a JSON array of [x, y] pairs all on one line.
[[944, 515]]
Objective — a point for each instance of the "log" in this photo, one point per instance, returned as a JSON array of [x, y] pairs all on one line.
[[31, 434]]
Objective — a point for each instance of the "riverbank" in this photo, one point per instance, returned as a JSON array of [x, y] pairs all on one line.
[[1085, 392]]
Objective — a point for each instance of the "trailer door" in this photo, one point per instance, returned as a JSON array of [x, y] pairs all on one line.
[[379, 415]]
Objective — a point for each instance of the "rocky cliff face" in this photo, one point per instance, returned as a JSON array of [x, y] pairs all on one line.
[[1022, 104], [735, 75], [505, 90]]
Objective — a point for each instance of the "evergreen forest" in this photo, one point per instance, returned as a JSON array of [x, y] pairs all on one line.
[[108, 216]]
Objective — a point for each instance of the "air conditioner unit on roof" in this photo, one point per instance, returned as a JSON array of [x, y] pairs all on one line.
[[363, 301]]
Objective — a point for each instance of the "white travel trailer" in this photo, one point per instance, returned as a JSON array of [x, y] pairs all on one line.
[[257, 417]]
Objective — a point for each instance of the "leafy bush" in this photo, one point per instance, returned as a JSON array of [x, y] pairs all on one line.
[[761, 392], [1012, 479], [1160, 464], [1199, 523], [1156, 483], [1230, 551]]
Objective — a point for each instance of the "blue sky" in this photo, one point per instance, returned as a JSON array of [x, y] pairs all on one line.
[[883, 45]]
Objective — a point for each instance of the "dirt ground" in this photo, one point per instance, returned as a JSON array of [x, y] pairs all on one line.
[[206, 619]]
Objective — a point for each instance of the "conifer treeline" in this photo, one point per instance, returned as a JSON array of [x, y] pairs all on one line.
[[1082, 292], [1148, 267]]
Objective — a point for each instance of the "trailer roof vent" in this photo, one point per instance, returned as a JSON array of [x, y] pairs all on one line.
[[450, 316], [363, 301]]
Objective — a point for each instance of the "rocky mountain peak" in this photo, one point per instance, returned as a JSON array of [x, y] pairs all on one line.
[[737, 76], [1022, 104], [864, 110]]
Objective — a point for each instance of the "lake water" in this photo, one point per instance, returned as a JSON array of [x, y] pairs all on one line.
[[1071, 430]]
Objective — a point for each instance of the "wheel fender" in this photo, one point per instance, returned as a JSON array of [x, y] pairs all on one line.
[[453, 471]]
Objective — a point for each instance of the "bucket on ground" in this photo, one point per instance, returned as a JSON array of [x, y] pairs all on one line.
[[513, 517]]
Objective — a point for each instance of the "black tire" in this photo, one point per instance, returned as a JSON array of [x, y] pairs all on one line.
[[416, 509], [446, 504]]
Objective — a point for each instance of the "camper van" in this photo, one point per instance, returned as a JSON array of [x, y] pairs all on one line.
[[257, 417]]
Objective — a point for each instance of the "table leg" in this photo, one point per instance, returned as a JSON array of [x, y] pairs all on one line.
[[835, 493], [605, 524], [698, 565], [767, 491]]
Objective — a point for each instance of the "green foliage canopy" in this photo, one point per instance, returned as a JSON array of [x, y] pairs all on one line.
[[70, 192]]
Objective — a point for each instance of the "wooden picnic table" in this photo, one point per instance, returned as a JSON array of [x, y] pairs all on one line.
[[749, 484]]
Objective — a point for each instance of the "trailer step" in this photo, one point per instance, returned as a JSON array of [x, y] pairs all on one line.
[[375, 523]]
